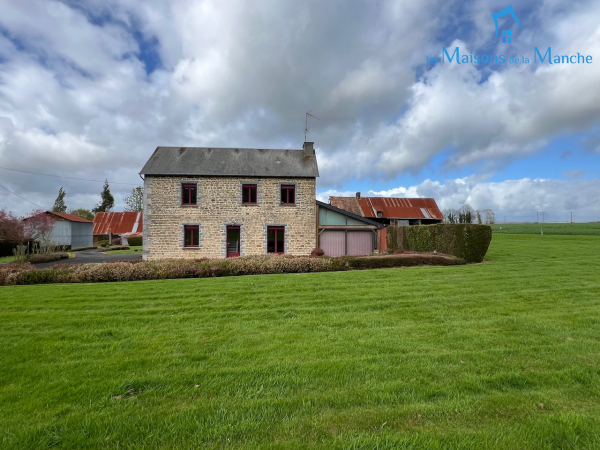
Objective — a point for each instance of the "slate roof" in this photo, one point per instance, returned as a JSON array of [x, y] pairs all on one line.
[[390, 207], [251, 162], [118, 222]]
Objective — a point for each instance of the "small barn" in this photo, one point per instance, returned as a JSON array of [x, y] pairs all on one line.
[[110, 225], [340, 232], [71, 230]]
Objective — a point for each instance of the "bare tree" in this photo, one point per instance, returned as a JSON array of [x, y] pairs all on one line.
[[135, 201], [488, 216], [450, 215], [466, 214]]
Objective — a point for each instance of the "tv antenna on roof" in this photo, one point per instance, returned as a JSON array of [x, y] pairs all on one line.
[[306, 123]]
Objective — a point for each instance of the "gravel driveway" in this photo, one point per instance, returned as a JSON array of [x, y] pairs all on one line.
[[92, 256]]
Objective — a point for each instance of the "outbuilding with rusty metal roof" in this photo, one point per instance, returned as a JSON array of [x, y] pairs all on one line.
[[392, 210]]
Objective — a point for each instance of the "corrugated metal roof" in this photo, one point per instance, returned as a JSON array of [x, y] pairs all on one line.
[[117, 222], [69, 217], [390, 207], [400, 208], [230, 162]]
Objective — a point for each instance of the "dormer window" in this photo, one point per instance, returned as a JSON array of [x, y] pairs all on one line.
[[189, 194], [379, 214]]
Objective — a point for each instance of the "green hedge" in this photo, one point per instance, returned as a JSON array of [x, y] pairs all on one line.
[[11, 274], [135, 241], [7, 247], [465, 241]]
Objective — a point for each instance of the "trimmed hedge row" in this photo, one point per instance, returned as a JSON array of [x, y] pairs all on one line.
[[46, 257], [135, 241], [466, 241], [22, 274]]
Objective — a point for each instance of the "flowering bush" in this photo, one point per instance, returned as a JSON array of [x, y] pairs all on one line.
[[116, 241], [46, 257], [11, 274]]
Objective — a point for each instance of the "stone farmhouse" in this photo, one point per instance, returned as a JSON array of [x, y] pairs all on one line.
[[221, 202]]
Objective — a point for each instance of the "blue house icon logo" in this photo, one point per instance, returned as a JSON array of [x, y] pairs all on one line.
[[506, 34]]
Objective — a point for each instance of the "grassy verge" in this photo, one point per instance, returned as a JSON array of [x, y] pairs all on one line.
[[501, 355], [549, 228]]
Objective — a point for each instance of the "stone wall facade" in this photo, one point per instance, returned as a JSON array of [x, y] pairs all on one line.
[[219, 204]]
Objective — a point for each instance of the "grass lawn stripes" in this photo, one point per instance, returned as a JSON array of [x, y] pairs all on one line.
[[499, 355]]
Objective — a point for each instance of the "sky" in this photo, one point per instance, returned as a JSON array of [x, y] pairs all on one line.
[[88, 90]]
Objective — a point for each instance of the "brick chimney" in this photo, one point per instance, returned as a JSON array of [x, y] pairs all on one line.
[[309, 149], [358, 196]]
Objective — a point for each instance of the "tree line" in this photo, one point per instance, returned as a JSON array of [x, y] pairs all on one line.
[[133, 202], [466, 214]]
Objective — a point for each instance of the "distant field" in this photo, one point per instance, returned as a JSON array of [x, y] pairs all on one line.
[[549, 228], [500, 355]]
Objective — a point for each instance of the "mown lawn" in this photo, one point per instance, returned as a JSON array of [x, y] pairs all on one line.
[[592, 228], [500, 355], [7, 259]]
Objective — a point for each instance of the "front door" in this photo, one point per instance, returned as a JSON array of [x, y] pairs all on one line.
[[233, 241]]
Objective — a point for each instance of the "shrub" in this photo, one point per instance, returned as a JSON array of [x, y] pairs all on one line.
[[46, 257], [398, 260], [465, 241], [103, 243], [317, 252], [116, 241], [135, 241], [10, 271], [113, 247], [185, 268]]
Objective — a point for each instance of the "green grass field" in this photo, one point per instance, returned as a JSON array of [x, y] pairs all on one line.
[[549, 228], [500, 355]]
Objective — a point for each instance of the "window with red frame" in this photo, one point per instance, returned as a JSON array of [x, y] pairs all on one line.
[[275, 240], [189, 194], [249, 194], [288, 194], [191, 235]]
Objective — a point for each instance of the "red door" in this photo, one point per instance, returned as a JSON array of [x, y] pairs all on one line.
[[233, 241]]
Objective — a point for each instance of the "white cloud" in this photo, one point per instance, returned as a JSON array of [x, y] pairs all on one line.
[[76, 98], [515, 199]]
